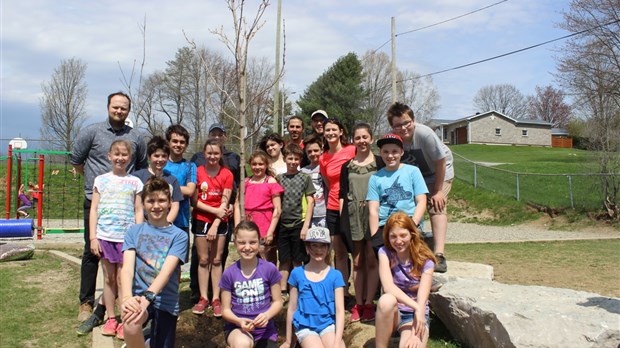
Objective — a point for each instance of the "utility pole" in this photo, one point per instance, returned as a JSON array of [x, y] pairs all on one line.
[[276, 86], [394, 92]]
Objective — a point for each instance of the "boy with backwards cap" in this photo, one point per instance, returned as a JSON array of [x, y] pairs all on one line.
[[396, 187]]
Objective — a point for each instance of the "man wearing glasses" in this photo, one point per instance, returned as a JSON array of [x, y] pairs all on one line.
[[434, 159]]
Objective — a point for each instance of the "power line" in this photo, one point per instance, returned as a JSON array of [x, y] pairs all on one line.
[[438, 23], [512, 52]]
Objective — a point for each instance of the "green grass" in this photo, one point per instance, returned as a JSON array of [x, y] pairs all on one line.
[[590, 265], [487, 208], [38, 302], [540, 180]]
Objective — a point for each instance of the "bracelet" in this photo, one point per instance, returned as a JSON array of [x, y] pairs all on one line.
[[125, 298]]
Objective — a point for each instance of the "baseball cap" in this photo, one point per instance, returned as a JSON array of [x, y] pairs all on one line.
[[217, 126], [318, 235], [319, 113], [390, 138]]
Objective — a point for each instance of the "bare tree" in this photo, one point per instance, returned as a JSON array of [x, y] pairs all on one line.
[[504, 98], [377, 84], [63, 104], [420, 94], [548, 104], [589, 67], [241, 101]]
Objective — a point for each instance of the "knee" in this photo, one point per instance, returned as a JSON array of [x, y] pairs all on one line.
[[217, 261], [203, 260], [387, 304], [132, 329]]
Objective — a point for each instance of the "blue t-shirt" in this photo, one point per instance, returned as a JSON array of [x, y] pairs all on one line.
[[316, 301], [251, 296], [185, 172], [152, 245], [396, 190]]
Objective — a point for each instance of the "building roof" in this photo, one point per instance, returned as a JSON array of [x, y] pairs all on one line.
[[518, 122]]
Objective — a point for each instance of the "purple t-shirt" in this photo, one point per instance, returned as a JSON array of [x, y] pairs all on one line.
[[251, 296], [403, 279]]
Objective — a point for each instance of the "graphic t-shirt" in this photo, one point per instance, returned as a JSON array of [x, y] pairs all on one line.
[[116, 209], [251, 296], [403, 279], [331, 164], [319, 194], [396, 190], [152, 245], [185, 172], [210, 190]]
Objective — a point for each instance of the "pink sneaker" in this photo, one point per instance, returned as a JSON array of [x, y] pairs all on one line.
[[200, 307], [355, 313], [120, 333], [109, 328], [369, 313], [217, 308]]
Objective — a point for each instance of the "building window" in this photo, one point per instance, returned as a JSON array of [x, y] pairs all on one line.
[[498, 131], [524, 132]]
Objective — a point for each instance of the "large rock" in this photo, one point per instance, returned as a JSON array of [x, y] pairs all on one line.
[[484, 313]]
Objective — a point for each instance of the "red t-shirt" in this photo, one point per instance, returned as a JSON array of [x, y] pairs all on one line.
[[210, 190], [331, 164]]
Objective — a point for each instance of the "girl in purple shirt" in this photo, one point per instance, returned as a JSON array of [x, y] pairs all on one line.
[[406, 267], [251, 294]]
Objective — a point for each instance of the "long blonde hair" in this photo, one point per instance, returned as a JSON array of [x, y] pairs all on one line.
[[418, 250]]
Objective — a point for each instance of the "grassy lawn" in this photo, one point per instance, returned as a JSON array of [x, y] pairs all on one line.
[[538, 186], [580, 265], [38, 302]]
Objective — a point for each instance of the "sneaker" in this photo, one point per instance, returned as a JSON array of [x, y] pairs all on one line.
[[369, 313], [86, 309], [89, 324], [441, 266], [355, 313], [109, 329], [200, 307], [217, 308], [120, 333]]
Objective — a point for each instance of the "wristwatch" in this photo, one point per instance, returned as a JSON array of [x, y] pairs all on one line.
[[149, 296]]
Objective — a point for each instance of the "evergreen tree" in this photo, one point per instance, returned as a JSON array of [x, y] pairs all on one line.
[[338, 91]]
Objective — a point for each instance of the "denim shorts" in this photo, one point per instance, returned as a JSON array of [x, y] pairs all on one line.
[[303, 333], [407, 318]]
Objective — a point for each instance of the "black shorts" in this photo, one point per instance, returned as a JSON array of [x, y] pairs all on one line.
[[200, 228], [163, 328], [332, 220], [290, 246], [377, 240]]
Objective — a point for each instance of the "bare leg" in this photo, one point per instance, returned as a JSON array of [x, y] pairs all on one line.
[[203, 265], [372, 273], [359, 276], [110, 287], [341, 258], [217, 246], [439, 225], [387, 315]]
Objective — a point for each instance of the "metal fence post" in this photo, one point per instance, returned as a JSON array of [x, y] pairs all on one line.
[[518, 196], [570, 191], [475, 176]]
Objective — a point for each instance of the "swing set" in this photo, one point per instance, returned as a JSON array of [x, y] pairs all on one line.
[[55, 184]]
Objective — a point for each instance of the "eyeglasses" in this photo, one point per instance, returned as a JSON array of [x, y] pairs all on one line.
[[402, 125]]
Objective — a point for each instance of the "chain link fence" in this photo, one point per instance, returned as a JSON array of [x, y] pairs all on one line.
[[579, 190]]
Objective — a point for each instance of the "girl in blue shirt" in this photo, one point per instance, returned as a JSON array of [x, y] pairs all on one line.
[[316, 303]]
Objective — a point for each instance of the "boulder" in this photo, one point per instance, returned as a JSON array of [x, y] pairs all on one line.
[[484, 313]]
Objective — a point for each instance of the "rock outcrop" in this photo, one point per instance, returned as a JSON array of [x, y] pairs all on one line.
[[484, 313]]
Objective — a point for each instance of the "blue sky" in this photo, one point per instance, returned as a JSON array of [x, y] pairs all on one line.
[[38, 34]]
